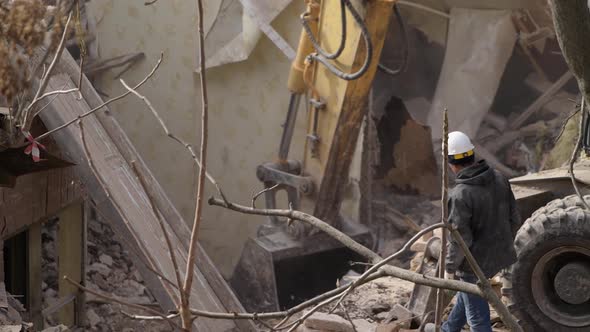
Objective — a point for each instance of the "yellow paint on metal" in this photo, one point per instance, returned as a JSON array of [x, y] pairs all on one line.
[[331, 89]]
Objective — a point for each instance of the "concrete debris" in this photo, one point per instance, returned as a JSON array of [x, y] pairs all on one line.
[[58, 328], [10, 328], [401, 315], [333, 323], [106, 260], [328, 322], [370, 301], [93, 318], [109, 271], [100, 268]]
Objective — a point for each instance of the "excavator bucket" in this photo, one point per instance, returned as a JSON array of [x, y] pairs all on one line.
[[277, 272]]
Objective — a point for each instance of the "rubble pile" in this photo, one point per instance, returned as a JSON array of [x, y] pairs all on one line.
[[109, 271], [523, 139], [403, 216]]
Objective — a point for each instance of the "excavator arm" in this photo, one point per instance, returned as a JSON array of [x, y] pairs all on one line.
[[337, 58]]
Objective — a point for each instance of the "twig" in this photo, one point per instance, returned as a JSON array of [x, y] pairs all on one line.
[[102, 183], [148, 3], [57, 92], [575, 153], [83, 115], [80, 78], [348, 317], [144, 262], [172, 135], [259, 316], [444, 215], [143, 317], [391, 257], [562, 130], [126, 60], [81, 45], [354, 246], [304, 217], [323, 297], [293, 326], [262, 192], [48, 103], [45, 79], [121, 302], [171, 249], [192, 250]]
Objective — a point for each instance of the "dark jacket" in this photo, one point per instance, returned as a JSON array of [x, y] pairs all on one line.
[[483, 208]]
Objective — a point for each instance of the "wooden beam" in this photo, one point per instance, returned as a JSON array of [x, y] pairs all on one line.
[[34, 291], [210, 278], [127, 208], [542, 100], [35, 197], [70, 252]]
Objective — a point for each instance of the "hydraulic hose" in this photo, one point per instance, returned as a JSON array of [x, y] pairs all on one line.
[[367, 39], [404, 33], [314, 41]]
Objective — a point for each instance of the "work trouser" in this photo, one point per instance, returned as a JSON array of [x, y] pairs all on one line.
[[471, 309]]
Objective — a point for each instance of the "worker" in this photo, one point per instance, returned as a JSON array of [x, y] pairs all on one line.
[[483, 210]]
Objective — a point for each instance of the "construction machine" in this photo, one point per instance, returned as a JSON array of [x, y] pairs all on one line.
[[338, 57]]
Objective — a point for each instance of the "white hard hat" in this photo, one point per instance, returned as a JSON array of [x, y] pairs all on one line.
[[460, 146]]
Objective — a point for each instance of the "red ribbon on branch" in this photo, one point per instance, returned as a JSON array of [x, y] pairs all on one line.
[[33, 147]]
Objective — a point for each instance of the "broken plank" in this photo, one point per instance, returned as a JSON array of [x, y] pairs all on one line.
[[177, 224], [126, 206], [542, 100]]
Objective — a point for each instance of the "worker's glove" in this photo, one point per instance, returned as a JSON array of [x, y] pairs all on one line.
[[450, 276]]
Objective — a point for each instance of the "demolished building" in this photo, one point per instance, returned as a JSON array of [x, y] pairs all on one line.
[[514, 117]]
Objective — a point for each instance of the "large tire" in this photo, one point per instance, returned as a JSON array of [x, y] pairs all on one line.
[[550, 238]]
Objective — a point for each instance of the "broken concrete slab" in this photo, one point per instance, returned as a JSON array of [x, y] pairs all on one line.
[[106, 259], [389, 327], [472, 68], [401, 315], [328, 322]]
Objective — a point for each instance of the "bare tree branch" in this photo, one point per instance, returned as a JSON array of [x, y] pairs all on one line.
[[102, 183], [171, 134], [354, 246], [45, 79], [348, 316], [81, 116], [143, 317], [192, 250], [388, 259], [304, 217], [119, 301], [262, 192]]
